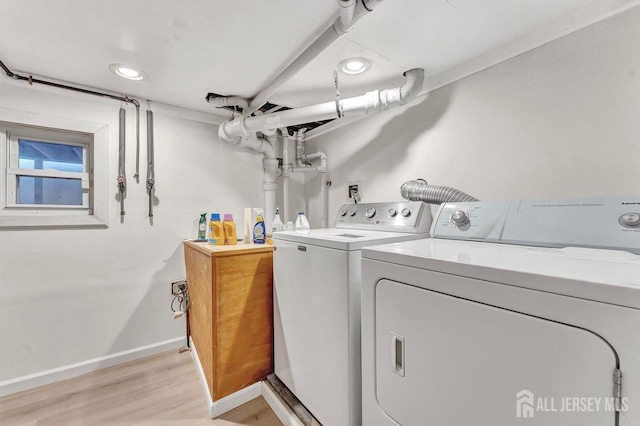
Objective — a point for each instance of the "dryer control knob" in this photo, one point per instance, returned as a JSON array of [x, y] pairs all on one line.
[[405, 212], [460, 218], [342, 212], [392, 212], [352, 212], [630, 220], [370, 213]]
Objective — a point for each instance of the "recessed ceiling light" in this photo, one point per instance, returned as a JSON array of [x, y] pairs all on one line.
[[354, 65], [128, 72]]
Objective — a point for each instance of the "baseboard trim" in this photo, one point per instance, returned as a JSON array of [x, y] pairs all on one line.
[[235, 400], [229, 402], [30, 381], [282, 410], [201, 376]]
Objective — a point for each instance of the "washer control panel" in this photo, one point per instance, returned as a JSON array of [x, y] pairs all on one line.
[[597, 223], [406, 216]]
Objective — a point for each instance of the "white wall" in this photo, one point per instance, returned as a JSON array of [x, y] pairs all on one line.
[[562, 120], [68, 296]]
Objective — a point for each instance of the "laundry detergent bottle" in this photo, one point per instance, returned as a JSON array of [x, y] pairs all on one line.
[[259, 232], [229, 226], [216, 232]]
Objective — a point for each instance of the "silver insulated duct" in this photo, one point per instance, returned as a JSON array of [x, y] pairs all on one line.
[[420, 190]]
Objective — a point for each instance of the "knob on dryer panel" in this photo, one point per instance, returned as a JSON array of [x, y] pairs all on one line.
[[474, 221]]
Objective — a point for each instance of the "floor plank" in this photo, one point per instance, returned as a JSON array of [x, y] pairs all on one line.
[[160, 390]]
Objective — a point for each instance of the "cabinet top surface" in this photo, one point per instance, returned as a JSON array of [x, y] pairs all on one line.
[[228, 250]]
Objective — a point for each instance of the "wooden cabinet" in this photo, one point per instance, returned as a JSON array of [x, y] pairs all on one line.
[[231, 313]]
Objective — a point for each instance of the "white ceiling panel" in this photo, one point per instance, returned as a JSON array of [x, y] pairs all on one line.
[[438, 34], [315, 82], [192, 47]]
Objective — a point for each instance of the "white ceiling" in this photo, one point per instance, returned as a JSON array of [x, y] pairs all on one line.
[[192, 47]]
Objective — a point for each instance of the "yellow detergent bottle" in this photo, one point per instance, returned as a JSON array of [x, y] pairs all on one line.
[[216, 233], [229, 226]]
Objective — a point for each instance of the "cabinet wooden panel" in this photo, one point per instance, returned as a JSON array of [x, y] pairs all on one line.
[[231, 314]]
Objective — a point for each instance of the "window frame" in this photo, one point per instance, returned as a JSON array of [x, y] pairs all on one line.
[[93, 137], [13, 134]]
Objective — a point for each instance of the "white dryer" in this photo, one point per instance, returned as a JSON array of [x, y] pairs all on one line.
[[317, 304], [465, 329]]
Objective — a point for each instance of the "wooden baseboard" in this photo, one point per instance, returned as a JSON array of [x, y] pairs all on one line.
[[22, 383]]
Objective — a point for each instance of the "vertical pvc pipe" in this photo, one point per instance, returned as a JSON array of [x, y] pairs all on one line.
[[269, 186], [323, 199], [285, 174]]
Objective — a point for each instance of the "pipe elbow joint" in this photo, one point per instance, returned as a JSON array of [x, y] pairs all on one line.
[[412, 86], [225, 136], [233, 130]]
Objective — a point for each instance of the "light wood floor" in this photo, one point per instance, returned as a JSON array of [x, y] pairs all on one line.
[[160, 390]]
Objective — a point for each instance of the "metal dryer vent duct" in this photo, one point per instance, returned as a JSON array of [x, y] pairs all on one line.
[[420, 190]]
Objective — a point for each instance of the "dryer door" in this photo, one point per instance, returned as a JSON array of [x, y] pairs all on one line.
[[442, 360]]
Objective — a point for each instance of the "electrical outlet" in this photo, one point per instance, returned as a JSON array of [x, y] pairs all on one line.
[[353, 190], [178, 287]]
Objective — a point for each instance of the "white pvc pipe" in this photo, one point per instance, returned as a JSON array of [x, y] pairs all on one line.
[[322, 168], [285, 173], [370, 103], [347, 9], [326, 39], [266, 146], [269, 186], [224, 101], [259, 145], [300, 147], [323, 191], [323, 200]]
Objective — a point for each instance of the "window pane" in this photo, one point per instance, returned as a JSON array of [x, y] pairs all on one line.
[[49, 155], [45, 190]]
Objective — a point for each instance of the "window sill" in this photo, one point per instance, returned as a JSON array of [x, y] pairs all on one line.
[[16, 222]]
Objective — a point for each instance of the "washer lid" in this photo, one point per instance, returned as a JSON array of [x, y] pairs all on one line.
[[344, 239], [601, 275]]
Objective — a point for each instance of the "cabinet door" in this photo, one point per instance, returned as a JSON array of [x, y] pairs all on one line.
[[311, 297], [441, 360]]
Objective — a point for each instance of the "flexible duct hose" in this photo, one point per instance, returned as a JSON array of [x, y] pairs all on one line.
[[420, 190]]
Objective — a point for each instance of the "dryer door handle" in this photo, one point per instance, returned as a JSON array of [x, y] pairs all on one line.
[[397, 354]]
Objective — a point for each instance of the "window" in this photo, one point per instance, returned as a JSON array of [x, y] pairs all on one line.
[[47, 177]]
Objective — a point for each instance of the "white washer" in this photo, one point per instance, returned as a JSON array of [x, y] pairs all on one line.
[[473, 333], [317, 304]]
